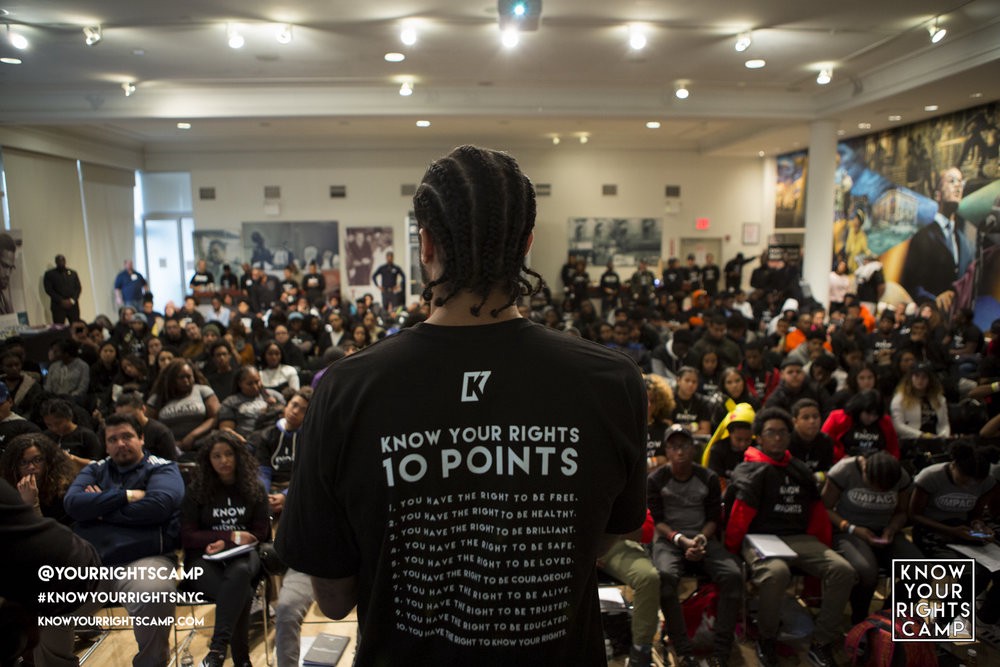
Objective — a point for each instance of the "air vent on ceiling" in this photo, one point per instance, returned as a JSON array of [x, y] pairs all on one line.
[[408, 189], [609, 190], [543, 189], [206, 193], [272, 192], [338, 191], [672, 191]]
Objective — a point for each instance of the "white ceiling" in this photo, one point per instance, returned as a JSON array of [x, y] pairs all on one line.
[[331, 87]]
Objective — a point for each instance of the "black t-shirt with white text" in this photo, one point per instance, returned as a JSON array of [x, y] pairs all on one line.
[[472, 512]]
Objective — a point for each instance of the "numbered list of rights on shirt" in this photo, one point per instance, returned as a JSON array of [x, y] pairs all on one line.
[[483, 568]]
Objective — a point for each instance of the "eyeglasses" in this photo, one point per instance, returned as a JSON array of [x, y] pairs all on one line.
[[775, 433], [37, 461]]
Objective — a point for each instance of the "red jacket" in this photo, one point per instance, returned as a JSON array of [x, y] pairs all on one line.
[[749, 480], [839, 423]]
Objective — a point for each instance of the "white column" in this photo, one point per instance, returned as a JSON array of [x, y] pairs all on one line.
[[818, 250]]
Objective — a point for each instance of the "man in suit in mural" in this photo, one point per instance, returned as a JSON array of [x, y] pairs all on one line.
[[940, 252]]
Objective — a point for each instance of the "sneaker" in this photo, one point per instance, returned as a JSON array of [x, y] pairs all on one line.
[[767, 652], [214, 659], [640, 656], [821, 655]]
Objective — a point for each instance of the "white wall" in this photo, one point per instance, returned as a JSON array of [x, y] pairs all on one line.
[[728, 191]]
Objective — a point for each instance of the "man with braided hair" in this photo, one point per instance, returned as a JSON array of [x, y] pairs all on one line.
[[465, 526]]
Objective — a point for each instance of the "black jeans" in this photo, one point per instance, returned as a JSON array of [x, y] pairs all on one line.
[[231, 583]]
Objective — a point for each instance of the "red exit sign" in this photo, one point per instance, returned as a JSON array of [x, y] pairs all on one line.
[[702, 224]]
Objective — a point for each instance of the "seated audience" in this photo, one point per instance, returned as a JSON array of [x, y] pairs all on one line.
[[685, 501], [691, 409], [40, 471], [225, 507], [862, 427], [128, 507], [68, 375], [184, 403], [79, 443], [24, 389], [660, 404], [274, 372], [159, 440], [728, 445], [919, 409], [774, 493], [11, 423], [947, 507], [867, 499], [221, 368], [809, 444], [239, 413]]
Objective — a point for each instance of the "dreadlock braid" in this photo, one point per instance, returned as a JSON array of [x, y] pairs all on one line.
[[479, 209]]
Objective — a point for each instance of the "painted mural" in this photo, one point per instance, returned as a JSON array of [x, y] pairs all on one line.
[[921, 204]]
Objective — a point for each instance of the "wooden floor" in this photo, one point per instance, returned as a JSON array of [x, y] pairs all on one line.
[[118, 647]]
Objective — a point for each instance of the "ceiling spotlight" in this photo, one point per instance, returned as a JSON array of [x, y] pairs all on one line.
[[284, 33], [636, 38], [17, 40], [681, 90], [653, 124], [236, 40], [743, 42], [761, 153], [584, 138], [937, 32], [841, 132], [976, 96], [519, 9], [931, 107], [755, 63], [408, 35], [406, 89], [895, 118], [394, 57], [509, 38], [183, 126], [10, 61], [824, 76], [864, 126], [92, 34], [129, 88], [555, 140], [423, 123]]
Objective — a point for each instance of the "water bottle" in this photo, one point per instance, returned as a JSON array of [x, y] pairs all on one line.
[[187, 660]]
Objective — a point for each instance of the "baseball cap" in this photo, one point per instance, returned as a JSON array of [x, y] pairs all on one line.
[[676, 429]]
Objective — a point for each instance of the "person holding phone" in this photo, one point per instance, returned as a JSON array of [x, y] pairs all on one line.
[[947, 507], [867, 500]]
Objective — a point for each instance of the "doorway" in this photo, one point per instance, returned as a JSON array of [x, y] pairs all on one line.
[[699, 248], [167, 251]]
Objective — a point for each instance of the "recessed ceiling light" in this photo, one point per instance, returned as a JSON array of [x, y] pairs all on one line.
[[636, 38], [284, 34], [423, 123], [234, 37], [825, 76], [394, 57], [509, 38], [841, 133], [895, 117], [10, 61], [761, 153], [931, 107], [653, 124], [755, 63], [584, 138], [17, 40], [408, 35], [555, 140], [406, 89], [864, 126], [183, 126], [138, 52], [681, 90], [976, 96], [129, 88]]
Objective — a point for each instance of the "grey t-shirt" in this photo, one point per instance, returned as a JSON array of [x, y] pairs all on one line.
[[859, 503], [948, 501], [183, 415], [245, 410]]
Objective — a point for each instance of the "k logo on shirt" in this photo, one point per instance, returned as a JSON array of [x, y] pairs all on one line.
[[473, 385]]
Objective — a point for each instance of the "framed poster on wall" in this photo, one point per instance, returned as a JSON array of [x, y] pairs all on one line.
[[751, 233]]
